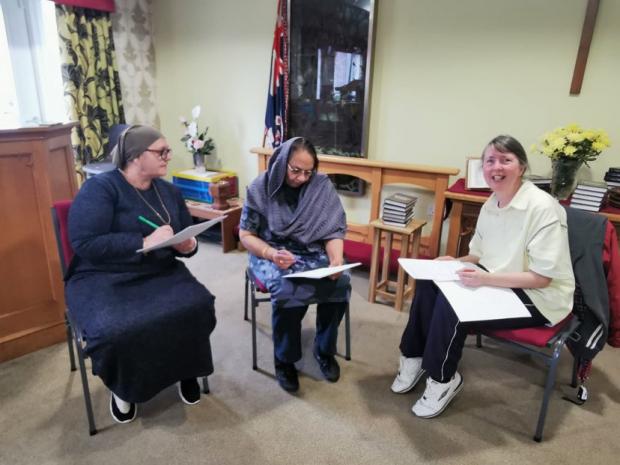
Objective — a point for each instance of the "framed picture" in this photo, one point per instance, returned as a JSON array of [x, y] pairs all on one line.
[[330, 56], [474, 179]]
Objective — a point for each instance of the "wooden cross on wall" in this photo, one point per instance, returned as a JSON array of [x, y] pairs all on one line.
[[584, 46]]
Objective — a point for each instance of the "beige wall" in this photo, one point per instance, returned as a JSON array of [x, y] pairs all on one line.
[[448, 75]]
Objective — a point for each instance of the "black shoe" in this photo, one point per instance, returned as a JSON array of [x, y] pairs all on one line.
[[286, 374], [328, 365], [119, 416], [189, 391]]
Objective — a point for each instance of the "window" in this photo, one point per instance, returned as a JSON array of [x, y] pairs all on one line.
[[31, 89]]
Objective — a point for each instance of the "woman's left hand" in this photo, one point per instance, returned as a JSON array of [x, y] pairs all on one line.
[[473, 278], [336, 262], [186, 246]]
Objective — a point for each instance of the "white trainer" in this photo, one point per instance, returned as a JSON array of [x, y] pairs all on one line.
[[437, 396], [409, 373]]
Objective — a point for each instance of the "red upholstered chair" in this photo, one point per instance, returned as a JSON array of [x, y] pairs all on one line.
[[254, 286], [60, 216], [542, 342]]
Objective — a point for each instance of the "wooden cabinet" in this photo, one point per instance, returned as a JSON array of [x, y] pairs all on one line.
[[36, 169]]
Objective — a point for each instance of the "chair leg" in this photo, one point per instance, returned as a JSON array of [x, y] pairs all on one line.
[[347, 333], [254, 305], [205, 385], [70, 343], [245, 307], [553, 365], [89, 407], [478, 340], [573, 382]]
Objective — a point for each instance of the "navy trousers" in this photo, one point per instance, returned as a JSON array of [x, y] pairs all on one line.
[[435, 333], [286, 324]]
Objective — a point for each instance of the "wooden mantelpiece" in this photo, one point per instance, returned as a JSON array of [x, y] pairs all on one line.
[[36, 169], [378, 174]]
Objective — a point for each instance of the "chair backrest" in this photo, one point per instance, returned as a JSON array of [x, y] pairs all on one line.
[[60, 217], [115, 132]]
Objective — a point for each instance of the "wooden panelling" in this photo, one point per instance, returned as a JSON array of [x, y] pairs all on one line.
[[36, 168]]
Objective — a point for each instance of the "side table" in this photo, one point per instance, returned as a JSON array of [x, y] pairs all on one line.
[[409, 245], [233, 215]]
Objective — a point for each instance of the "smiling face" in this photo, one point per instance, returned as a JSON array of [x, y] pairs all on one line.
[[300, 168], [502, 172]]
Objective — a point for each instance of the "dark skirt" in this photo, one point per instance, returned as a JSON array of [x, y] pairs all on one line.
[[144, 331]]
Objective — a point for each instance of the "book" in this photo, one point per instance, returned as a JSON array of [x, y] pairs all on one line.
[[395, 223], [585, 195], [400, 200], [397, 214], [585, 207], [589, 193], [592, 203], [395, 209], [611, 177], [593, 186]]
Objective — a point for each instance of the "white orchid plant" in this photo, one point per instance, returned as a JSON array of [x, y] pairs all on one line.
[[196, 141]]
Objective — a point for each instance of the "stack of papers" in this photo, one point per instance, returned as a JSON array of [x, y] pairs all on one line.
[[469, 303], [187, 233], [319, 273]]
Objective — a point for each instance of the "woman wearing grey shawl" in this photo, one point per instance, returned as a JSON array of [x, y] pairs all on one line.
[[293, 221], [145, 318]]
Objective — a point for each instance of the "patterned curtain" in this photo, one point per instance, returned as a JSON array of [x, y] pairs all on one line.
[[90, 76], [135, 55]]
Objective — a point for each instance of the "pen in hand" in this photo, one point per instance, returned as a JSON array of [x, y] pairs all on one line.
[[148, 222]]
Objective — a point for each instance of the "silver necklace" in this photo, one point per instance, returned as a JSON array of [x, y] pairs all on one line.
[[163, 206]]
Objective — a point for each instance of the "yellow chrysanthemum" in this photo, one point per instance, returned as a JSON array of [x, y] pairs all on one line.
[[598, 146], [557, 143], [570, 150], [575, 136]]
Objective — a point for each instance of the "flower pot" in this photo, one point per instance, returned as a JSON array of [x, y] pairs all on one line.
[[199, 161], [564, 177]]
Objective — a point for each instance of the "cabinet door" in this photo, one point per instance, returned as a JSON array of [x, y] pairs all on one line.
[[31, 294]]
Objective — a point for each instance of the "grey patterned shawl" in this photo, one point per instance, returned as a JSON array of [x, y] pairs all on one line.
[[319, 214]]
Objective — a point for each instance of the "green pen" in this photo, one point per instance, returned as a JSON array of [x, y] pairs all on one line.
[[150, 223]]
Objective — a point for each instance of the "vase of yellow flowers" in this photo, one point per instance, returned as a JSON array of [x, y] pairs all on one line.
[[196, 142], [569, 148]]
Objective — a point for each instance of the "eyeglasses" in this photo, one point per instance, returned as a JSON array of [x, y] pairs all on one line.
[[163, 154], [297, 171]]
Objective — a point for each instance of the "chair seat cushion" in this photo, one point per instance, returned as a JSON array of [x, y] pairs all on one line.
[[538, 336]]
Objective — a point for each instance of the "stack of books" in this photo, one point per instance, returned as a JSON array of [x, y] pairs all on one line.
[[614, 197], [613, 177], [589, 195], [542, 182], [398, 209]]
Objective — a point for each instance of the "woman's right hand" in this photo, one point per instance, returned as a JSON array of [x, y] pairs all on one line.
[[161, 234], [283, 259]]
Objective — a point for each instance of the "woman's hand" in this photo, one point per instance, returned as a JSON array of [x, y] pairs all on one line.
[[283, 259], [338, 261], [161, 234], [186, 246], [473, 278], [445, 258]]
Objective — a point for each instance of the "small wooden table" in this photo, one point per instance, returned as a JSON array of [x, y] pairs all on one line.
[[233, 215], [409, 245]]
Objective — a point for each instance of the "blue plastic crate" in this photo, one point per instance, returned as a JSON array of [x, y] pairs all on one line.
[[192, 193], [191, 183]]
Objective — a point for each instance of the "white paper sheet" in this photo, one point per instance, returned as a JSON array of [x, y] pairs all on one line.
[[190, 231], [319, 273], [482, 303], [436, 270]]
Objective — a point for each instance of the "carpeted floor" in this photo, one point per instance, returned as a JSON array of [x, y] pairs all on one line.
[[248, 419]]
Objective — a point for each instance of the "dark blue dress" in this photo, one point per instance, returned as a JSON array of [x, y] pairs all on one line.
[[145, 318]]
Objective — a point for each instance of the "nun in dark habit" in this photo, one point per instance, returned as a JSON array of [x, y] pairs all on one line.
[[146, 320]]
